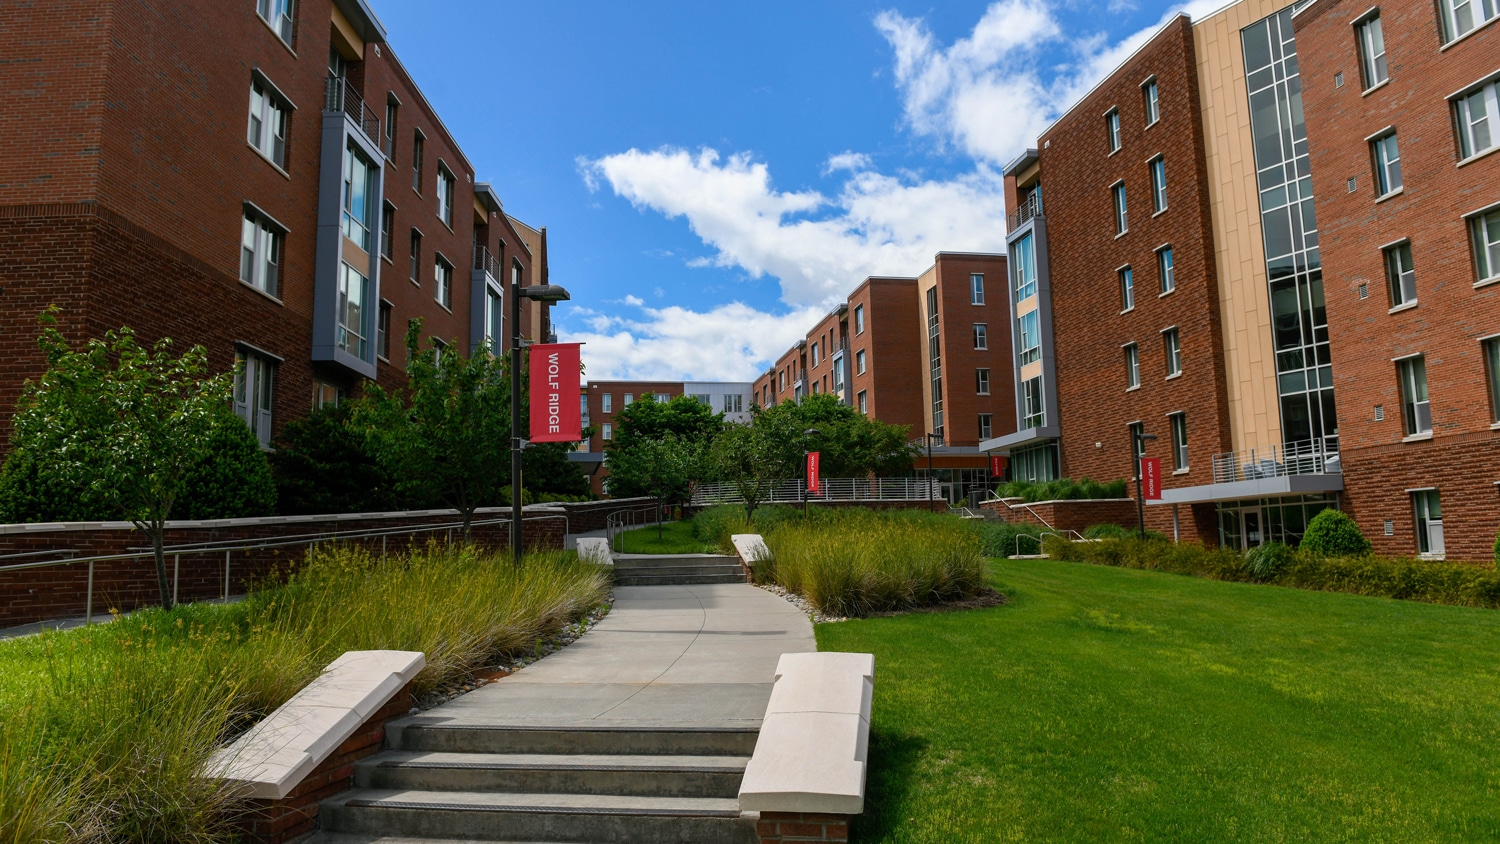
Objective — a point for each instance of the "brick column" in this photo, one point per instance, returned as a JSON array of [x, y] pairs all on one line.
[[779, 827]]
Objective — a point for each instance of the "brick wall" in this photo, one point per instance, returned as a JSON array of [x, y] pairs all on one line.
[[779, 827], [40, 594], [891, 342], [1462, 458], [957, 315], [1077, 172]]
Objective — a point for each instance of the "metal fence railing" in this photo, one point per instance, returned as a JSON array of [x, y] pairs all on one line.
[[622, 520], [1309, 457], [231, 546], [829, 489], [341, 96], [485, 260], [1030, 207]]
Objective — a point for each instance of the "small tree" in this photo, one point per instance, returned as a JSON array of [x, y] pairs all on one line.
[[1332, 533], [323, 464], [745, 457], [448, 437], [123, 423], [662, 468]]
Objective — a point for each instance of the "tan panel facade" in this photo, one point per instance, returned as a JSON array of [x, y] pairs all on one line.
[[1244, 304], [925, 282]]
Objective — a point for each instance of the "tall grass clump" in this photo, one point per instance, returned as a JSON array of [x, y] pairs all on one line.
[[854, 562], [103, 730]]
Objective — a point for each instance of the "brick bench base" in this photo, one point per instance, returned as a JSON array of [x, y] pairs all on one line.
[[779, 827]]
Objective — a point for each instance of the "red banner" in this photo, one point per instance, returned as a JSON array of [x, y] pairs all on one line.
[[812, 472], [997, 465], [555, 410], [1151, 478]]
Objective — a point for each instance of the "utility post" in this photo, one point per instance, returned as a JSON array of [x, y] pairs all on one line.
[[541, 293], [1138, 440]]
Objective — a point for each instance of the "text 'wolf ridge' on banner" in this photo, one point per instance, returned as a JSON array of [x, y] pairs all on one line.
[[555, 411]]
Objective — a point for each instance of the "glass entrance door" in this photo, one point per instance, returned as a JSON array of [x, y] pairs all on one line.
[[1250, 527]]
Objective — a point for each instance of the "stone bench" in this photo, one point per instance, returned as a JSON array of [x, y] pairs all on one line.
[[594, 549], [750, 548], [807, 774], [305, 750]]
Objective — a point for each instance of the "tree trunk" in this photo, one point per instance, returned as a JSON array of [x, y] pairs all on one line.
[[157, 547], [468, 519]]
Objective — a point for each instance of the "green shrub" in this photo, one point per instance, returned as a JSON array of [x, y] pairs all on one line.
[[1419, 580], [322, 465], [999, 539], [1264, 562], [1497, 548], [1332, 533], [1061, 489], [1108, 531]]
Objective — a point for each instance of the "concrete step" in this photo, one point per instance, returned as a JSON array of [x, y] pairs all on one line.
[[678, 579], [684, 571], [639, 775], [627, 561], [413, 734], [478, 816]]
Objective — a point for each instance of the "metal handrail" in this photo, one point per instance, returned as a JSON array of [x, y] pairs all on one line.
[[229, 546], [1078, 537], [1308, 457], [1031, 207], [615, 523], [790, 491], [342, 97], [485, 260]]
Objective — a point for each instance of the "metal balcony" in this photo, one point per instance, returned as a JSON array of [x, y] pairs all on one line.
[[1030, 207], [1312, 457], [340, 96], [486, 261]]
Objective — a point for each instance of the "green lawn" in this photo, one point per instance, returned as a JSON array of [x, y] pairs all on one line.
[[676, 538], [1105, 704]]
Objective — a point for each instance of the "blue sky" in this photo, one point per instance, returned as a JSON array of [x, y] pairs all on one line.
[[713, 175]]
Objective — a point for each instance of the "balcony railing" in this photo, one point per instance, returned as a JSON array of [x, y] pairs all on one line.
[[1030, 207], [829, 489], [341, 96], [1312, 457], [485, 260]]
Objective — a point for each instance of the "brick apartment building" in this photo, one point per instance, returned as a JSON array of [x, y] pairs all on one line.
[[1212, 183], [925, 352], [600, 401], [261, 177]]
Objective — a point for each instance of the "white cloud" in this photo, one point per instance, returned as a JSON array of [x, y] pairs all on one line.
[[727, 343], [846, 160], [993, 92], [818, 246]]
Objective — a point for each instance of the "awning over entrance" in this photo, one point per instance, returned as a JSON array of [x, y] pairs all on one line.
[[1004, 444], [1254, 488]]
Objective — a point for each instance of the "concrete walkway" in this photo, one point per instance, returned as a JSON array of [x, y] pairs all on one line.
[[699, 656]]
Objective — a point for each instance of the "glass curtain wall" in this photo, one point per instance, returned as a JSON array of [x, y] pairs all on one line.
[[1290, 229]]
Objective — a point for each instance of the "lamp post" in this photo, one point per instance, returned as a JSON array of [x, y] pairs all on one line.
[[931, 478], [539, 293], [1138, 440], [810, 432]]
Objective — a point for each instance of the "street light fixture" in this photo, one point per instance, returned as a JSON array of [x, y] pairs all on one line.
[[537, 293], [810, 432], [1138, 440], [931, 502]]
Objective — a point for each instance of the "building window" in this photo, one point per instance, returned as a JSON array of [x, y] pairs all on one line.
[[982, 381], [1492, 373], [494, 319], [442, 282], [354, 292], [607, 403], [254, 386], [859, 366], [327, 395], [976, 288], [416, 257], [359, 198], [1132, 366], [417, 140], [260, 253], [383, 331], [1371, 51], [1127, 289], [1025, 269], [859, 319], [1387, 163], [629, 399], [981, 336], [734, 403], [387, 223], [269, 116], [1460, 17], [815, 386], [1165, 269], [985, 426], [445, 186], [1428, 508], [1400, 277], [662, 398], [814, 353], [1484, 230], [278, 14], [392, 109], [704, 399], [1033, 415], [607, 431], [1122, 222], [864, 406], [1172, 345], [934, 352], [1150, 98], [1477, 113], [1416, 411], [1158, 185], [1028, 328], [1112, 128], [1179, 441]]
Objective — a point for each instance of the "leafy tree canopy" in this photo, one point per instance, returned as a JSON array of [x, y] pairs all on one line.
[[322, 465], [684, 418], [850, 444]]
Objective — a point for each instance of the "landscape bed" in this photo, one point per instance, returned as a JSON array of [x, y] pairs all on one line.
[[103, 729], [1106, 704]]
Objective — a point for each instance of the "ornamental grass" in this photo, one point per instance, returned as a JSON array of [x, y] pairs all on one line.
[[104, 729]]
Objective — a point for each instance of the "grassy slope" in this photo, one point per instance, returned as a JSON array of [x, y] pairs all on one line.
[[1108, 704], [676, 538]]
